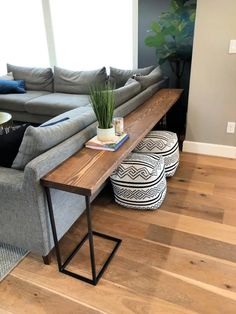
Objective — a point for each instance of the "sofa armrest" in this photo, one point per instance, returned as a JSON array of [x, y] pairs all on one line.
[[11, 180], [41, 165]]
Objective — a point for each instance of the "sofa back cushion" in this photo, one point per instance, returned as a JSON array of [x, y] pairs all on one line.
[[153, 77], [119, 77], [122, 94], [38, 79], [77, 82], [38, 140]]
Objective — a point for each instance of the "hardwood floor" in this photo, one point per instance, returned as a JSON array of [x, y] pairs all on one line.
[[179, 259]]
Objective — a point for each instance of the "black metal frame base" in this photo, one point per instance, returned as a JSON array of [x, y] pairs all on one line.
[[95, 280], [88, 236]]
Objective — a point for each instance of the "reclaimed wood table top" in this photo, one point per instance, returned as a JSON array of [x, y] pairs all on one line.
[[87, 170]]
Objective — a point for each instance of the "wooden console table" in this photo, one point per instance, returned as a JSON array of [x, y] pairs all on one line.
[[85, 172]]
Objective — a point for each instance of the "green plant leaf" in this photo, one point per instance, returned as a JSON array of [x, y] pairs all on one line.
[[103, 103], [173, 30], [182, 25], [155, 41], [156, 27], [192, 17], [175, 5]]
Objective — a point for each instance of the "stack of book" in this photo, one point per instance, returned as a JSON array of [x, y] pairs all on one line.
[[94, 143]]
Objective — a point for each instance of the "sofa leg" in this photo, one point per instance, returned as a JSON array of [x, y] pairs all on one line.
[[47, 259]]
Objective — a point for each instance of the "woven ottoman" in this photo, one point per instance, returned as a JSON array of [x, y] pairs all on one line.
[[140, 182], [162, 143]]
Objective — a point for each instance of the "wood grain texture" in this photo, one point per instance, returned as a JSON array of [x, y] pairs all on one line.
[[28, 298], [85, 171], [179, 259]]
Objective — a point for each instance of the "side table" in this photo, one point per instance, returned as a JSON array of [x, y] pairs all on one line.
[[5, 119]]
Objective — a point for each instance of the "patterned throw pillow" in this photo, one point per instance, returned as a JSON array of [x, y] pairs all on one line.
[[10, 140]]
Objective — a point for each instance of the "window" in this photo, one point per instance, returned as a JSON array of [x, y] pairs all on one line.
[[90, 34], [23, 40], [78, 35]]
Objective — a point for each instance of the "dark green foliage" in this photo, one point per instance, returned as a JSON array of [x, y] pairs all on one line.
[[173, 32], [103, 103]]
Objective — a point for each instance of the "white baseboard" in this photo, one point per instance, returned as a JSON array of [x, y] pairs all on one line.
[[209, 149]]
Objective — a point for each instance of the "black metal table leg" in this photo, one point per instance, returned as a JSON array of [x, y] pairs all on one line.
[[88, 236], [54, 229]]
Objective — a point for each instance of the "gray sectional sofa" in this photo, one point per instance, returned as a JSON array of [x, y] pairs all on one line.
[[24, 220]]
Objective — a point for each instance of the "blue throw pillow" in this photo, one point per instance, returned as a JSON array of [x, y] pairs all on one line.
[[10, 87]]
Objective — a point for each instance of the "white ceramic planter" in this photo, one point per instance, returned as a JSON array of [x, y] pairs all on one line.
[[106, 135]]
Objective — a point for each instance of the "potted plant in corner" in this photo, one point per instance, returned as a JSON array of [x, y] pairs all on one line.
[[103, 104], [173, 36]]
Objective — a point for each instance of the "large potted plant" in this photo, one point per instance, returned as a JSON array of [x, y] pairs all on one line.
[[103, 103], [173, 35]]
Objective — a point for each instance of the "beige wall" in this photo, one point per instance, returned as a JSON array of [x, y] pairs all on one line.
[[212, 96]]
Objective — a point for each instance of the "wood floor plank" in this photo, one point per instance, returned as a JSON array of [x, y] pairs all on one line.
[[191, 185], [20, 296], [4, 311], [221, 190], [194, 204], [191, 242], [184, 263], [209, 229], [206, 173], [199, 267], [155, 283], [220, 162], [110, 296], [230, 217]]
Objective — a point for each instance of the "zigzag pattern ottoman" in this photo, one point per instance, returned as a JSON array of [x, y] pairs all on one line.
[[162, 143], [140, 182]]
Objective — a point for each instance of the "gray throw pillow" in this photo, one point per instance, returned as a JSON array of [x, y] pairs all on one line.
[[153, 77], [78, 82], [35, 78], [38, 140], [119, 77], [7, 77]]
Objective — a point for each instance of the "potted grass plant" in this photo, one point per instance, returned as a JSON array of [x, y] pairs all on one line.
[[103, 104]]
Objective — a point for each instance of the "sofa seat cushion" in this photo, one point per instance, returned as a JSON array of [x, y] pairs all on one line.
[[122, 94], [56, 103], [38, 140], [16, 102]]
